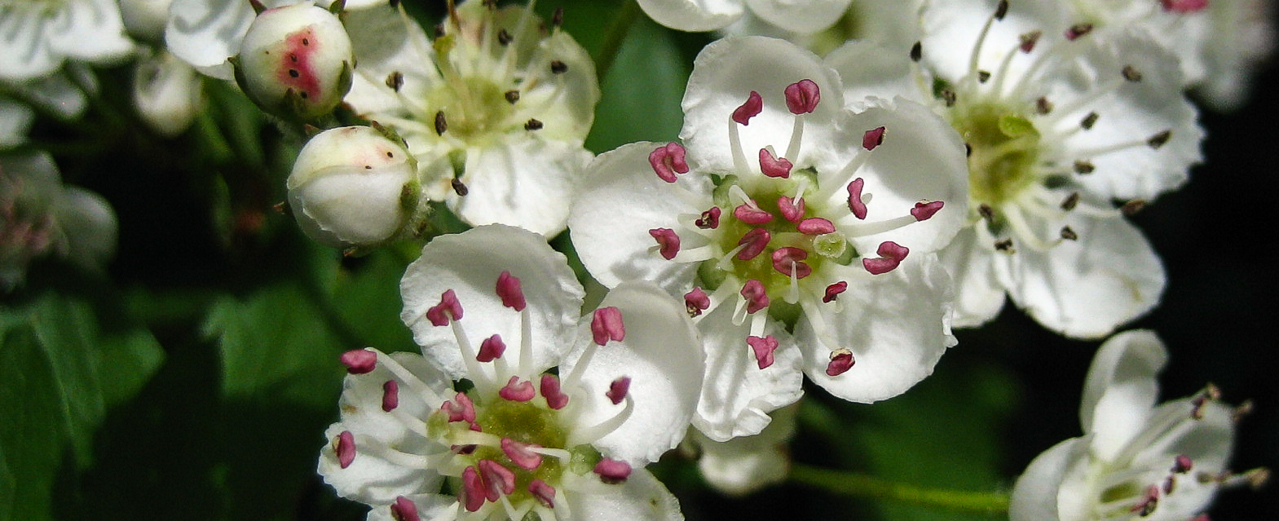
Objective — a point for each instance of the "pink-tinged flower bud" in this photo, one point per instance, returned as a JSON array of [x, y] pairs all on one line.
[[295, 61], [354, 187]]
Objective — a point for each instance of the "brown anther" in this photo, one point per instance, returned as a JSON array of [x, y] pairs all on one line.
[[440, 124], [512, 96], [949, 96], [983, 76], [1071, 200], [986, 211], [1089, 120], [282, 207], [1078, 31], [1029, 40], [1243, 410], [1005, 245], [917, 52], [532, 124], [1131, 73], [395, 80], [1133, 206], [1069, 234], [557, 18], [504, 38], [459, 188], [1084, 167], [1002, 10], [1159, 140], [968, 150], [1257, 477], [439, 30], [558, 67], [1043, 106]]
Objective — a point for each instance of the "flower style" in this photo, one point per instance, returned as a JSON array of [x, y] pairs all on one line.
[[39, 216], [1059, 122], [798, 16], [496, 108], [1136, 459], [39, 35], [564, 445], [786, 263]]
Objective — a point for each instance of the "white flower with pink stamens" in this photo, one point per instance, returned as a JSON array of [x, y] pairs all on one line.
[[1136, 460], [763, 219], [800, 16], [1060, 121], [496, 307]]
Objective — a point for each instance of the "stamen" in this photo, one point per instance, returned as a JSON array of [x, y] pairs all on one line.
[[1029, 40], [617, 389], [803, 96], [891, 255], [344, 446], [773, 166], [440, 124], [473, 489], [511, 96], [924, 210], [751, 214], [1043, 107], [1182, 464], [841, 360], [390, 395], [917, 52], [1069, 234], [696, 302], [500, 480], [555, 399], [1084, 167], [545, 494], [395, 80], [788, 261], [533, 124], [709, 219], [359, 361], [1184, 6], [449, 309], [595, 432], [763, 347], [1131, 73], [873, 138], [833, 291], [1133, 206], [668, 160], [791, 210], [855, 203], [1078, 31], [1148, 502], [491, 349], [403, 509], [667, 242], [607, 325], [815, 226], [558, 67], [755, 295], [460, 408], [521, 454], [753, 243], [517, 391], [1159, 140], [753, 106], [612, 471], [508, 288]]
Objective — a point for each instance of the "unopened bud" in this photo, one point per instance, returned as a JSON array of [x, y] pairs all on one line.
[[295, 61]]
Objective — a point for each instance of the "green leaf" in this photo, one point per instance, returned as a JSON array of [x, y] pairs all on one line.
[[641, 94], [59, 374]]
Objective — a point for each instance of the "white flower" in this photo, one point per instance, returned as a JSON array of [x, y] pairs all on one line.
[[891, 24], [295, 61], [1059, 122], [497, 307], [38, 35], [495, 108], [355, 187], [167, 92], [800, 16], [145, 19], [1136, 460], [746, 464], [784, 259], [39, 216]]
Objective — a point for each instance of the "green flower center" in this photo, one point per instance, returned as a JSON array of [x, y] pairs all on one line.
[[1004, 149]]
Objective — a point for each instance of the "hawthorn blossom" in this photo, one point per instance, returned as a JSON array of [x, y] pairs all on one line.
[[496, 108], [1059, 122], [1136, 460], [38, 36], [785, 260], [800, 16], [496, 307], [743, 465]]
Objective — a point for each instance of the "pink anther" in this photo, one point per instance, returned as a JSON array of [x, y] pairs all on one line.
[[815, 226], [544, 493], [751, 214], [403, 509], [607, 325], [448, 309], [791, 211], [517, 390], [833, 291], [1182, 464], [709, 219], [925, 210], [617, 389], [696, 302], [359, 361], [461, 408], [508, 288], [840, 362], [550, 387], [345, 449], [1184, 6], [1149, 500], [491, 349], [763, 347], [789, 258], [668, 160], [473, 489], [754, 241], [774, 166], [1078, 31], [390, 395], [873, 138], [855, 203], [1029, 40], [522, 454], [802, 96], [667, 242], [890, 256], [755, 295], [612, 471], [753, 106], [500, 480]]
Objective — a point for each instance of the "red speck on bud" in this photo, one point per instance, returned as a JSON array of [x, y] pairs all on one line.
[[508, 287], [555, 399], [517, 391], [667, 242], [753, 106], [612, 471], [755, 295], [840, 362], [802, 96], [618, 389], [763, 347], [668, 160], [345, 449], [890, 256], [873, 138], [924, 210], [855, 203], [833, 291], [787, 259], [696, 302], [404, 510], [773, 166], [359, 361], [607, 325], [755, 241], [491, 349], [390, 395], [448, 309]]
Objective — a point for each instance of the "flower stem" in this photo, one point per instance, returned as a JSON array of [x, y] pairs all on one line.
[[614, 36], [861, 485]]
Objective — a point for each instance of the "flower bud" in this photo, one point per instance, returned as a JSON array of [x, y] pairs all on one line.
[[167, 93], [354, 187], [295, 61]]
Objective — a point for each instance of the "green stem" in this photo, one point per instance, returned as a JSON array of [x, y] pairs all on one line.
[[861, 485], [614, 36]]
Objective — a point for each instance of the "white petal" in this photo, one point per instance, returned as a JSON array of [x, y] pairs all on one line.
[[15, 120], [869, 70], [524, 181], [429, 506], [662, 355], [725, 73], [168, 93], [469, 263], [96, 21], [738, 395], [978, 293], [951, 29], [693, 15], [205, 32], [1208, 442], [56, 93], [801, 16], [743, 465], [27, 52], [1086, 288], [384, 42], [1034, 497], [620, 200], [89, 224], [897, 326], [1120, 389], [641, 497]]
